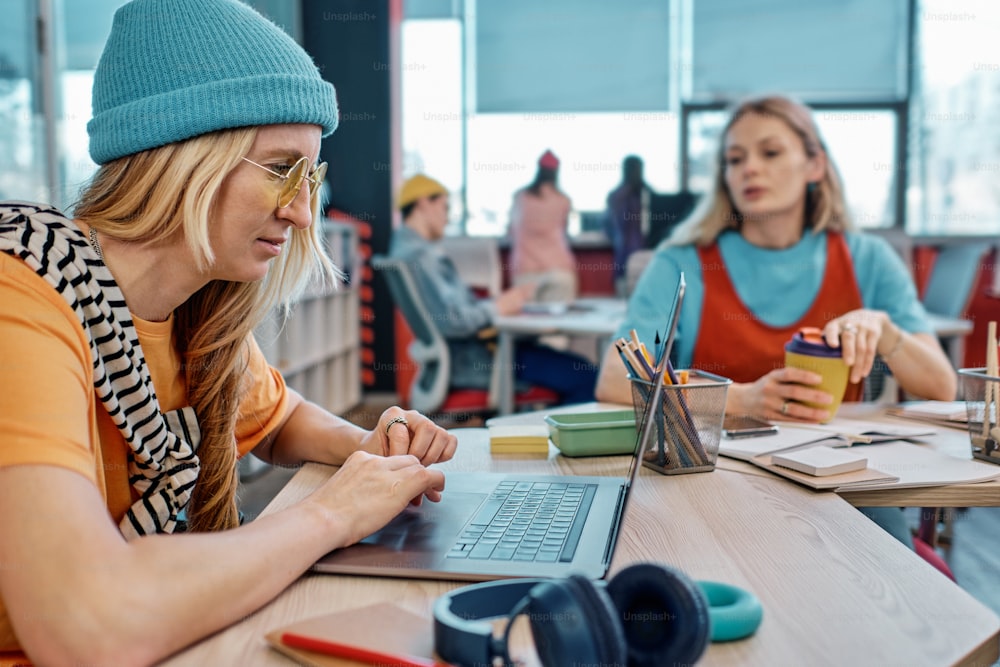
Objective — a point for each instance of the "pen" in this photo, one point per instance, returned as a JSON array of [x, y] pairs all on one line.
[[358, 653], [619, 345]]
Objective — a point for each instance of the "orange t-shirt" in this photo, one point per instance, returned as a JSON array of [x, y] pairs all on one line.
[[49, 413]]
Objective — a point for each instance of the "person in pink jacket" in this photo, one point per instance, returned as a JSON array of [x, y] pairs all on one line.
[[540, 251]]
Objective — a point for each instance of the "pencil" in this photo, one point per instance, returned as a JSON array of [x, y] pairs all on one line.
[[632, 361], [635, 337], [990, 395], [643, 364], [620, 345], [645, 353]]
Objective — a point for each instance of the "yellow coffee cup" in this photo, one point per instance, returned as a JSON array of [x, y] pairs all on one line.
[[809, 351]]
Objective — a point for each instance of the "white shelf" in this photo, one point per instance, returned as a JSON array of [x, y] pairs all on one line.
[[317, 349]]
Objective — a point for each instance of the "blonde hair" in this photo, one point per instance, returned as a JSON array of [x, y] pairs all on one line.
[[153, 195], [825, 205]]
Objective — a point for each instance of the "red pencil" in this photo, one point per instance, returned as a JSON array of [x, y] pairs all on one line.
[[358, 653]]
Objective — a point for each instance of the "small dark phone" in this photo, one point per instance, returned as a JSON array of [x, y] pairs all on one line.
[[739, 426]]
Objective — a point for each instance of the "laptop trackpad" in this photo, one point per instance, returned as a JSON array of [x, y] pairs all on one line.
[[420, 536], [430, 527]]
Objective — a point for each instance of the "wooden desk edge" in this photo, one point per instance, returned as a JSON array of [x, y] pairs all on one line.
[[985, 494], [311, 475]]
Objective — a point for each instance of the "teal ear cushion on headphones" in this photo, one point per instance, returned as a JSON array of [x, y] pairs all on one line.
[[734, 613]]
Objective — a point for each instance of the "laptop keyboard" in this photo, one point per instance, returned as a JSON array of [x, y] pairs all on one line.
[[527, 521]]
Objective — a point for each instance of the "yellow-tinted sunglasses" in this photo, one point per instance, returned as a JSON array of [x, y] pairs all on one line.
[[291, 182]]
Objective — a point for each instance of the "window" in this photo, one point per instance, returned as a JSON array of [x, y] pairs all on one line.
[[504, 149], [955, 142], [433, 113], [45, 95], [484, 158], [22, 138], [86, 27]]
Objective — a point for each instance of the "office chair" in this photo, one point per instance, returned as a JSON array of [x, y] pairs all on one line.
[[477, 260], [953, 278], [430, 392]]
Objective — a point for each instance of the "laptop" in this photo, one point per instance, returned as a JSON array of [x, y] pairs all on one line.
[[503, 525]]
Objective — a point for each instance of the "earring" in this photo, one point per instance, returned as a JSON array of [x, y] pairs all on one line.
[[811, 187]]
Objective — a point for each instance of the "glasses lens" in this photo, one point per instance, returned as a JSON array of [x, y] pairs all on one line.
[[293, 182], [317, 180]]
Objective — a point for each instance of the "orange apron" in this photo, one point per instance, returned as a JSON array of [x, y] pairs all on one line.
[[734, 343]]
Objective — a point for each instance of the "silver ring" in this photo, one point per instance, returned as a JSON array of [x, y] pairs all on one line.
[[395, 420], [849, 328], [784, 408]]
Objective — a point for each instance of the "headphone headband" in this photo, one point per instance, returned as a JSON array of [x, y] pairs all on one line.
[[459, 632]]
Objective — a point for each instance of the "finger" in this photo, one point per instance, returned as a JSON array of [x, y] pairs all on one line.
[[802, 394], [429, 440], [401, 462], [450, 447], [441, 448], [432, 495], [419, 483], [793, 375], [867, 361], [791, 410], [397, 432], [421, 439], [831, 334], [861, 366], [849, 337]]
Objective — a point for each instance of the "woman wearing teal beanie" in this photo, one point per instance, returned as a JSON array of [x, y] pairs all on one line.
[[134, 382]]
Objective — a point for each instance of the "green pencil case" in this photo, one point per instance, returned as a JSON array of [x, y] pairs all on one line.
[[593, 433]]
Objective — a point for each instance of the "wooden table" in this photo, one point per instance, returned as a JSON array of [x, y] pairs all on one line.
[[836, 589], [598, 317], [952, 441]]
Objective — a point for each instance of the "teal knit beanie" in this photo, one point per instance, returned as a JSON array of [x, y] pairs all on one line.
[[175, 69]]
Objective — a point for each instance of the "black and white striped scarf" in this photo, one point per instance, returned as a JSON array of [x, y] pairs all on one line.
[[163, 466]]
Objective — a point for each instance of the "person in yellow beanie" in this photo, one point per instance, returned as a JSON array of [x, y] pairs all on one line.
[[460, 315], [127, 331], [419, 187]]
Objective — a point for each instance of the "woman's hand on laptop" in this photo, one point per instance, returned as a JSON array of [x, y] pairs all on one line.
[[409, 432], [368, 491]]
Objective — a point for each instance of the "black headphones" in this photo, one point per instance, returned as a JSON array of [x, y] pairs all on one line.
[[648, 615]]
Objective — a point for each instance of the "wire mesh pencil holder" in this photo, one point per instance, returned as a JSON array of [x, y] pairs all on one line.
[[982, 395], [687, 423]]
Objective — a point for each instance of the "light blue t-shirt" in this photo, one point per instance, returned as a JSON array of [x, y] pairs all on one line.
[[777, 286]]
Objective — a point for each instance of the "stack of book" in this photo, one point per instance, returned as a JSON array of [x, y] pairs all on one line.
[[856, 454], [943, 413]]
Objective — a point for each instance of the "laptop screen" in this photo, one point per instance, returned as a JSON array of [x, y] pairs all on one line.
[[645, 417]]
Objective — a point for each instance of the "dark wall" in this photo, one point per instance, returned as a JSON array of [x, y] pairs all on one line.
[[354, 43]]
